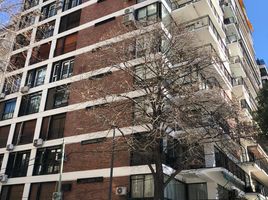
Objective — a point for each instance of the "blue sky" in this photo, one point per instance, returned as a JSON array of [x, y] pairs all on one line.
[[257, 11]]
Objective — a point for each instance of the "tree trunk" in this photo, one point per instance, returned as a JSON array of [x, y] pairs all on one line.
[[158, 177]]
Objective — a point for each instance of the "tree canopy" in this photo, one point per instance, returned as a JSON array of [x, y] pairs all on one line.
[[261, 115]]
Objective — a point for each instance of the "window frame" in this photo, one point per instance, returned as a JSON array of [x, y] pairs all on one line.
[[10, 114], [58, 70], [20, 166], [142, 181], [48, 162]]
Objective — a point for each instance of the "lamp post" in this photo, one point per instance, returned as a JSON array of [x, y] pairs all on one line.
[[112, 166]]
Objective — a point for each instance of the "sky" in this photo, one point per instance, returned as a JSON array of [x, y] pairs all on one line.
[[257, 11]]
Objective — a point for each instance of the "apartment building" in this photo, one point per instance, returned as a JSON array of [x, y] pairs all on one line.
[[41, 116], [263, 69]]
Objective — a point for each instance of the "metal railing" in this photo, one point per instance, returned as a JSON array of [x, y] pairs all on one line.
[[222, 160], [204, 22], [175, 4]]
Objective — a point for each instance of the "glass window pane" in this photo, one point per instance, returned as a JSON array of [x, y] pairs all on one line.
[[34, 104], [40, 76], [137, 186], [152, 9], [197, 191], [141, 13], [148, 186]]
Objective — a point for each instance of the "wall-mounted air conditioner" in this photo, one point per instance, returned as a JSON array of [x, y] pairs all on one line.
[[38, 142], [10, 147], [25, 89], [2, 95], [129, 17], [121, 191], [3, 178]]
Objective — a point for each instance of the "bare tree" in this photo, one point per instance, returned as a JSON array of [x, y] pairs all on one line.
[[13, 21], [179, 102]]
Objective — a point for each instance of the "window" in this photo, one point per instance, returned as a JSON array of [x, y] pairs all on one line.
[[27, 20], [24, 132], [40, 53], [148, 13], [70, 21], [47, 161], [147, 44], [142, 186], [17, 61], [22, 40], [140, 157], [12, 192], [53, 127], [145, 71], [36, 77], [30, 3], [12, 84], [175, 190], [4, 132], [48, 11], [57, 97], [45, 31], [141, 110], [30, 104], [197, 191], [66, 44], [42, 190], [223, 193], [62, 70], [68, 4], [17, 164], [9, 107]]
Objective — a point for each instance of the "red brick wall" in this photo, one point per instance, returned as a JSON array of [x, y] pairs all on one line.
[[96, 191], [86, 90], [98, 119], [103, 8], [96, 156]]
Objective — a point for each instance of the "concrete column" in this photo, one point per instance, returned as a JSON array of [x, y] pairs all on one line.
[[209, 155], [212, 189]]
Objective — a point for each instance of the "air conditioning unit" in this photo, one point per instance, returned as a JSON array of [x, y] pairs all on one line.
[[3, 178], [56, 196], [10, 147], [121, 191], [129, 10], [129, 17], [38, 142], [25, 89], [2, 95]]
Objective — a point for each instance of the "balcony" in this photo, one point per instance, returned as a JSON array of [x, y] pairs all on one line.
[[240, 88], [205, 33], [232, 27], [228, 8], [257, 164], [237, 67], [234, 46], [256, 191], [187, 10], [222, 160], [223, 170]]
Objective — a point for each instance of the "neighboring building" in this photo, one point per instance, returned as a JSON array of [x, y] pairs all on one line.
[[38, 112], [263, 69]]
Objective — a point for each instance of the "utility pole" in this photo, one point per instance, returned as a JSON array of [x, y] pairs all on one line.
[[58, 195], [112, 166]]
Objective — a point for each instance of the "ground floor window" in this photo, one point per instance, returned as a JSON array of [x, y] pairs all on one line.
[[197, 191]]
